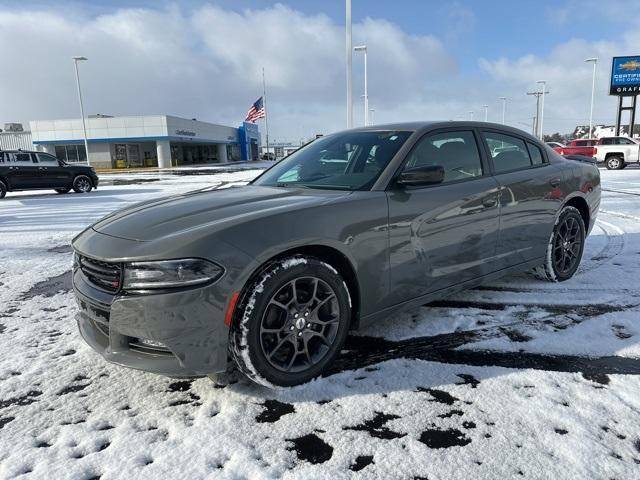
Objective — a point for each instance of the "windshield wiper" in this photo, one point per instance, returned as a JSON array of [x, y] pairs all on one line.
[[290, 184]]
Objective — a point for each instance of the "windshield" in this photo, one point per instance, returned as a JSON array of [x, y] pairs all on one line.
[[343, 161]]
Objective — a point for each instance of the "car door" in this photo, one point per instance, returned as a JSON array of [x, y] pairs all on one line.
[[629, 149], [22, 172], [445, 234], [529, 198], [51, 173]]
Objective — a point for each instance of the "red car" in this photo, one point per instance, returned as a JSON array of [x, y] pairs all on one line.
[[580, 147]]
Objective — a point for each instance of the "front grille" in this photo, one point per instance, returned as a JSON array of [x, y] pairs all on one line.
[[104, 275]]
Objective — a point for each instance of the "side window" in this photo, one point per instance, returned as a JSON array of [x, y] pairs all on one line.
[[508, 153], [607, 141], [581, 143], [456, 152], [535, 153], [625, 141], [45, 159], [22, 159]]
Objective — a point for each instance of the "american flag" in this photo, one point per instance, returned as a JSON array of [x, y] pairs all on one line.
[[256, 111]]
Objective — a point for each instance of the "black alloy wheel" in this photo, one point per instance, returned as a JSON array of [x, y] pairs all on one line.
[[567, 245], [299, 324], [291, 321]]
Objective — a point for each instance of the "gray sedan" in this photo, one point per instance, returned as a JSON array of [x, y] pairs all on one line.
[[347, 230]]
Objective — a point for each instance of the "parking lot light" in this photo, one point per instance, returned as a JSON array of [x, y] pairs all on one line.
[[593, 90], [84, 126]]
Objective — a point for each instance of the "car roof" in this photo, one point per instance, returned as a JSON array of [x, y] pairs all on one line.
[[423, 126], [19, 151]]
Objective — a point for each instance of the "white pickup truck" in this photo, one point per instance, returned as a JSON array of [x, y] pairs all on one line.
[[617, 152]]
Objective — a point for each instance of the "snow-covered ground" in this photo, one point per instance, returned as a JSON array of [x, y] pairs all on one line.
[[516, 379]]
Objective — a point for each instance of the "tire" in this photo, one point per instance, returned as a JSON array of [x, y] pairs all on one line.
[[278, 339], [565, 247], [3, 189], [82, 184], [62, 190], [614, 163]]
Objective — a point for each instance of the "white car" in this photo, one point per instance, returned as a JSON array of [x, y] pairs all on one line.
[[617, 152]]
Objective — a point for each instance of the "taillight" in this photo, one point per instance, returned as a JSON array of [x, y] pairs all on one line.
[[595, 150]]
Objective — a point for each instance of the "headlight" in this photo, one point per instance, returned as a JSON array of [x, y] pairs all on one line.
[[169, 273]]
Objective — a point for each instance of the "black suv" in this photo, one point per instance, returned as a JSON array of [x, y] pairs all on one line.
[[25, 170]]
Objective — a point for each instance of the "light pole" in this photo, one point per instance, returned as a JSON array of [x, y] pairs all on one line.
[[486, 112], [504, 108], [84, 126], [348, 50], [371, 112], [544, 87], [593, 90], [363, 48], [471, 115]]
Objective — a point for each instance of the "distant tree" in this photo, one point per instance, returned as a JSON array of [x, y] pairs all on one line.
[[555, 137]]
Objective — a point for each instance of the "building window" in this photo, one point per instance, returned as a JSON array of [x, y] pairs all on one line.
[[71, 153]]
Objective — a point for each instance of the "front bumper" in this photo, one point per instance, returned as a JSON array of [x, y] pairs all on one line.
[[188, 323]]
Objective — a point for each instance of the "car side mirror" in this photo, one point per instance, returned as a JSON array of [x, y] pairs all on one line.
[[424, 175]]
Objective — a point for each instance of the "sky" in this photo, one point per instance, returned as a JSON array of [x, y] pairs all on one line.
[[428, 60]]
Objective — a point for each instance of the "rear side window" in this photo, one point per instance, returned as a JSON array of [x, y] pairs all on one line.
[[581, 143], [535, 153], [456, 152], [508, 153], [23, 158], [45, 159]]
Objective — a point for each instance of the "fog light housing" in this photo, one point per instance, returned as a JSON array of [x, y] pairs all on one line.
[[148, 344]]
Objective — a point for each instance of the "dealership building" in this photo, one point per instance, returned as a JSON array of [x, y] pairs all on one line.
[[146, 141]]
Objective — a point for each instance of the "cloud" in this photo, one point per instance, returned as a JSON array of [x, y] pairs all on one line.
[[206, 63]]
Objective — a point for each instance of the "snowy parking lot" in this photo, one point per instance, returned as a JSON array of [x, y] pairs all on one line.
[[519, 378]]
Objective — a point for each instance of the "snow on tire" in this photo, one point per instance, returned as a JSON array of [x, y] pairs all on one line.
[[551, 270], [291, 321]]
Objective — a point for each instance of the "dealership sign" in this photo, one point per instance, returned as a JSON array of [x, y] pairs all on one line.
[[625, 76], [185, 133]]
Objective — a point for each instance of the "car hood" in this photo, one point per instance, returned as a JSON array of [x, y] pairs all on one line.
[[207, 209]]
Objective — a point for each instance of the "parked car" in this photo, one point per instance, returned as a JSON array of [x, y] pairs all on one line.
[[580, 147], [26, 170], [557, 146], [346, 231], [617, 152]]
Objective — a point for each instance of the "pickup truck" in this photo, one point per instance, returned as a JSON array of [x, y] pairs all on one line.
[[580, 147], [617, 152]]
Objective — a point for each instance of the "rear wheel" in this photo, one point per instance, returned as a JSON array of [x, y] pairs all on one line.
[[291, 322], [565, 247], [62, 190], [3, 189], [615, 163], [82, 184]]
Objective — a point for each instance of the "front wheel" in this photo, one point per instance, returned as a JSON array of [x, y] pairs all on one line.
[[614, 163], [565, 247], [82, 184], [291, 322]]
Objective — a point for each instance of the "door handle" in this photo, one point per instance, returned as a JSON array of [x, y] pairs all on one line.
[[489, 202], [554, 182]]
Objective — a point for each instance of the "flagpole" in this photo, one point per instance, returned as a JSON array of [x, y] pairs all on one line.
[[266, 122]]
